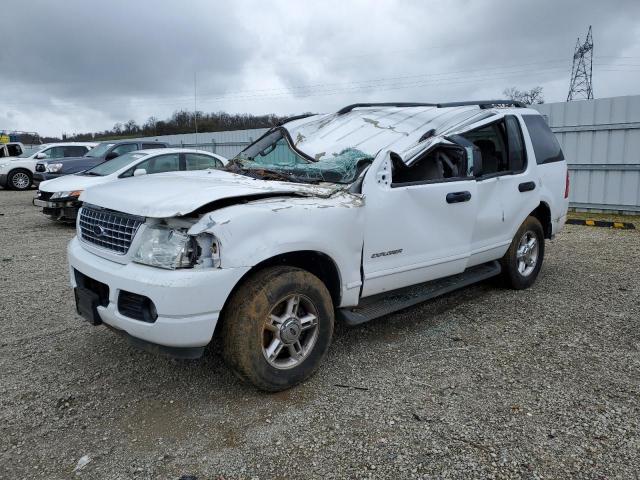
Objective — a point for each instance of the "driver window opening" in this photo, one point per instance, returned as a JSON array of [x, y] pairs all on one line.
[[441, 164]]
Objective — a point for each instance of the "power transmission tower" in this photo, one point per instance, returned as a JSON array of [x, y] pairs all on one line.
[[581, 70]]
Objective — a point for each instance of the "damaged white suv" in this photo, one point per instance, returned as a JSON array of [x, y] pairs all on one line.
[[350, 215]]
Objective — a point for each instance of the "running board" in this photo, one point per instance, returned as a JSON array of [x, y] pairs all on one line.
[[390, 302]]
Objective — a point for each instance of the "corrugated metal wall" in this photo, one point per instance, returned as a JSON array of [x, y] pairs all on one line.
[[227, 144], [601, 141]]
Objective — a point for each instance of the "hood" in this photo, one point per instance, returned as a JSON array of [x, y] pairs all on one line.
[[70, 183], [164, 195], [64, 160]]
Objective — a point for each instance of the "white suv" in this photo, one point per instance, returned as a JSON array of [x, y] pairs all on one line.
[[17, 172], [351, 215]]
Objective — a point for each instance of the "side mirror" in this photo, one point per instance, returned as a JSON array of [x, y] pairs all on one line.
[[40, 156], [139, 171], [111, 155]]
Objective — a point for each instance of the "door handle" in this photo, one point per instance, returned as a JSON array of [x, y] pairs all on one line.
[[457, 197], [527, 186]]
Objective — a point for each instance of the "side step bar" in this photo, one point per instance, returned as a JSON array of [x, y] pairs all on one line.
[[390, 302]]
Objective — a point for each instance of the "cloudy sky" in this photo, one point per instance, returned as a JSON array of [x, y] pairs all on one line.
[[83, 65]]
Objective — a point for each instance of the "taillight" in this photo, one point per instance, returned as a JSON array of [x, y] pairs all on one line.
[[566, 186]]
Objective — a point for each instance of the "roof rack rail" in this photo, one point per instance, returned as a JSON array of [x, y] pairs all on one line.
[[348, 108], [483, 103], [295, 117]]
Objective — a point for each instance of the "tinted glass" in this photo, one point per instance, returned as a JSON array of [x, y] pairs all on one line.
[[545, 143], [197, 161], [153, 145], [125, 148], [14, 150], [74, 151], [163, 163], [517, 154]]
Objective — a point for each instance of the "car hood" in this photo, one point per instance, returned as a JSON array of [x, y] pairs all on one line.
[[64, 160], [70, 183], [164, 195]]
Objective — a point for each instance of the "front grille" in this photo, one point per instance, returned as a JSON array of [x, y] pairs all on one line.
[[40, 167], [108, 229], [44, 195]]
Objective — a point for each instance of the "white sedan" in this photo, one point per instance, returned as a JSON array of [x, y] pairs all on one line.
[[59, 197]]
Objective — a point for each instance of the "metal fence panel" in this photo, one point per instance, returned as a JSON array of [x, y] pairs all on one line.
[[601, 141]]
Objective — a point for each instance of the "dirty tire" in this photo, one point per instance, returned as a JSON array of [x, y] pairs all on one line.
[[511, 275], [251, 306], [19, 180]]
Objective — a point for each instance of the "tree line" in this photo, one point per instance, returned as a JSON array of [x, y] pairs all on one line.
[[182, 121]]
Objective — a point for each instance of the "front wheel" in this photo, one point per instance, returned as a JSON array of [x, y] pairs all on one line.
[[277, 327], [19, 179], [522, 262]]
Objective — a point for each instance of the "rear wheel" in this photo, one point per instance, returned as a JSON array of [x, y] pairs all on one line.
[[522, 262], [19, 179], [277, 327]]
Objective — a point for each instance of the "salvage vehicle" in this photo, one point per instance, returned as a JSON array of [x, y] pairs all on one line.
[[59, 197], [105, 151], [17, 172], [350, 216]]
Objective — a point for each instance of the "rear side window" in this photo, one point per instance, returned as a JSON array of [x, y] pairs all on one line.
[[545, 143], [148, 146], [195, 161]]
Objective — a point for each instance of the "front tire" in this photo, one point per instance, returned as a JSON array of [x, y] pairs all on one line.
[[19, 180], [277, 328], [522, 262]]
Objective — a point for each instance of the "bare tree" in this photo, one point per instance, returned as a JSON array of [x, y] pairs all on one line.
[[528, 97]]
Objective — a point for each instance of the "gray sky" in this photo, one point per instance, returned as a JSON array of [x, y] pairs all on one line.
[[83, 65]]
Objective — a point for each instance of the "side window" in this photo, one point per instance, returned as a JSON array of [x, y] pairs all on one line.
[[125, 148], [54, 152], [545, 143], [490, 139], [148, 146], [160, 164], [74, 151], [14, 150], [196, 161], [515, 141], [439, 165]]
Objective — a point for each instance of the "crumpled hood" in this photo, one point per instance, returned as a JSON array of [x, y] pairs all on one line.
[[164, 195], [71, 182]]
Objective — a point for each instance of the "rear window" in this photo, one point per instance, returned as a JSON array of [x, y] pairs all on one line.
[[545, 143]]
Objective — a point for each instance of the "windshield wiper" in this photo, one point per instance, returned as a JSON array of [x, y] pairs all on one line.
[[92, 174]]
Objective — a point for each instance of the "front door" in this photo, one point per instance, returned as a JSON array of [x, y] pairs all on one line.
[[419, 220]]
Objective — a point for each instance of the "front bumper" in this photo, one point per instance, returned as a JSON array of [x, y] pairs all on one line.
[[65, 210], [188, 302]]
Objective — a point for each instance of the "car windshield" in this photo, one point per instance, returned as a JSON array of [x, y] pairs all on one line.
[[112, 166], [99, 150], [273, 158], [29, 152]]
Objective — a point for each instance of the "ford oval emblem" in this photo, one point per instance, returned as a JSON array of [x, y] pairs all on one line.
[[98, 230]]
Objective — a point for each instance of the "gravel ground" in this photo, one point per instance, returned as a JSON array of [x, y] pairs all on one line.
[[483, 383]]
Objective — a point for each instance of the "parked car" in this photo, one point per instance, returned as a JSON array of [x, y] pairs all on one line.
[[50, 169], [17, 172], [11, 149], [59, 197], [351, 215]]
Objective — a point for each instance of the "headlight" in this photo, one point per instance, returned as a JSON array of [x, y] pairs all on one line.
[[164, 247], [54, 167], [66, 194]]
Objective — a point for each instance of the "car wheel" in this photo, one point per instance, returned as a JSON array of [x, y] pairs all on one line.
[[522, 262], [19, 179], [277, 328]]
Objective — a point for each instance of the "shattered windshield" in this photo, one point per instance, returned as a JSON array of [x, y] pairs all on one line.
[[272, 158]]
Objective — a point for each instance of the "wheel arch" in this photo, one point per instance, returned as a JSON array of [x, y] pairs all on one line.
[[543, 213], [317, 263]]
